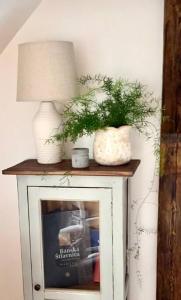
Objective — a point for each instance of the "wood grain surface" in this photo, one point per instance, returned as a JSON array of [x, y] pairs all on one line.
[[32, 167], [169, 220]]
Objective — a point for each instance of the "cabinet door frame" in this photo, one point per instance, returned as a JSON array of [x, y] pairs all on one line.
[[119, 186], [104, 196]]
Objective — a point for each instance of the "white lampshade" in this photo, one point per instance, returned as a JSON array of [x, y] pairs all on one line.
[[46, 71]]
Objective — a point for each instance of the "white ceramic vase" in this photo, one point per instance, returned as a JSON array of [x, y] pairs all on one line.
[[112, 146], [46, 123]]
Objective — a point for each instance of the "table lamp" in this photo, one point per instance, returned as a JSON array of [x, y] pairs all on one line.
[[46, 73]]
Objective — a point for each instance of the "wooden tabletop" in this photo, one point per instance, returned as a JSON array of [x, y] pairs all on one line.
[[32, 167]]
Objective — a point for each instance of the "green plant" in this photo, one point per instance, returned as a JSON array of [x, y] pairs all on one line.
[[106, 102]]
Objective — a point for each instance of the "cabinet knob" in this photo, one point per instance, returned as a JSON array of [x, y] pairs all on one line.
[[37, 287]]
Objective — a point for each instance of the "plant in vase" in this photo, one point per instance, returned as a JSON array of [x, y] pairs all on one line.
[[109, 108]]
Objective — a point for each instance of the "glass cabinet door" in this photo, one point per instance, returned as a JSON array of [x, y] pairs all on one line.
[[71, 243], [70, 231]]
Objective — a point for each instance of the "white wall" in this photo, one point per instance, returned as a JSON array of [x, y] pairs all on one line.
[[13, 15], [114, 37]]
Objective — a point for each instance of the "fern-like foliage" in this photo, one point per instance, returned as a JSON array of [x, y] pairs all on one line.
[[106, 102]]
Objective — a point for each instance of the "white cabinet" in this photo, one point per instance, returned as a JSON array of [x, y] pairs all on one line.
[[73, 231]]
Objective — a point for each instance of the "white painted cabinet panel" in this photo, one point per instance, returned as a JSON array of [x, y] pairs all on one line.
[[104, 201]]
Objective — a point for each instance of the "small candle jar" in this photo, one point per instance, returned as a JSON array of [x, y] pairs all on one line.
[[80, 157]]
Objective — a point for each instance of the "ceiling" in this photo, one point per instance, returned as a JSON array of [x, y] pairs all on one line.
[[13, 14]]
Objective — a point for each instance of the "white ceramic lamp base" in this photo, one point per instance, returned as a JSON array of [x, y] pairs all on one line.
[[46, 124]]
